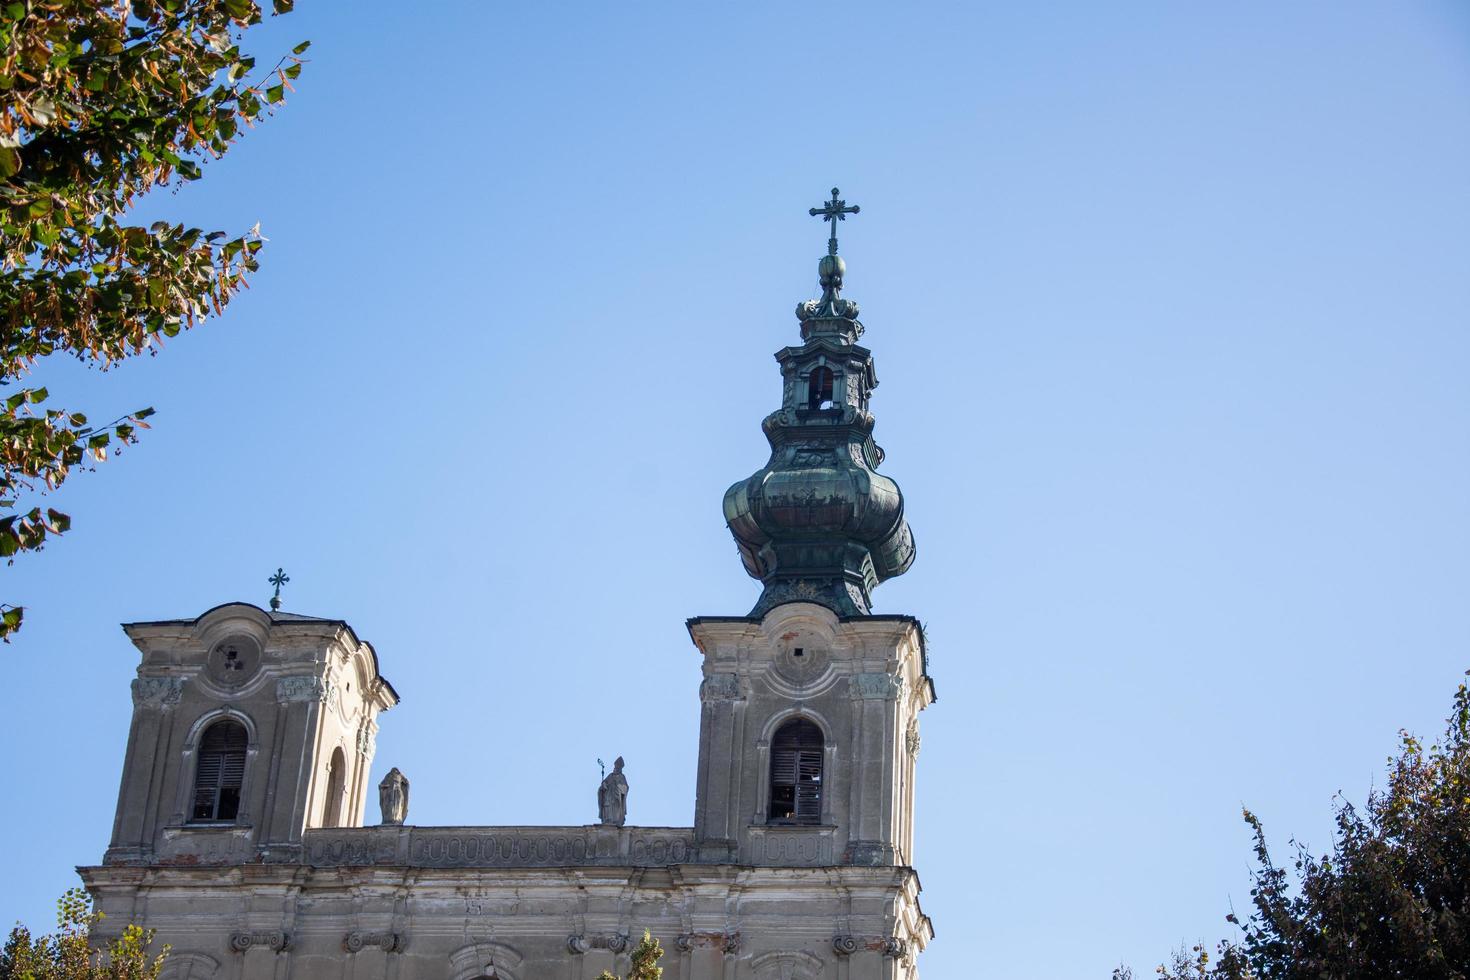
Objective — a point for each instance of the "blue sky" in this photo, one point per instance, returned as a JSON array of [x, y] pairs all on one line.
[[1169, 304]]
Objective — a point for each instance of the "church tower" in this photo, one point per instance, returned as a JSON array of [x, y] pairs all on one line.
[[249, 728], [241, 836], [809, 728]]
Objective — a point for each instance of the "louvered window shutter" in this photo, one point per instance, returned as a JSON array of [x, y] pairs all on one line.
[[796, 773], [221, 772]]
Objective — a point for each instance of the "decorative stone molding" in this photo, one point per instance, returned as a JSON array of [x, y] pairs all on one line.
[[876, 686], [779, 846], [188, 966], [485, 958], [787, 965], [157, 692], [804, 670], [389, 942], [721, 687], [725, 942], [365, 740], [276, 941], [887, 945], [615, 942], [499, 847], [300, 688], [911, 738]]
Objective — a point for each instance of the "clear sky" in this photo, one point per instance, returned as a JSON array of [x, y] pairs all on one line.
[[1171, 310]]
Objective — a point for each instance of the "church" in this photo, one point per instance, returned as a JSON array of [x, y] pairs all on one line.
[[242, 834]]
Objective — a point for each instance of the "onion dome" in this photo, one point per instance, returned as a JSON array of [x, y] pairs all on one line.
[[818, 523]]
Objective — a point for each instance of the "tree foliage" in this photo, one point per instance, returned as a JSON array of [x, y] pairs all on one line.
[[1392, 899], [102, 101], [645, 961], [68, 954]]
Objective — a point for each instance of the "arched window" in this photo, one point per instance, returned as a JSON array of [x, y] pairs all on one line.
[[819, 389], [221, 771], [796, 773], [332, 813]]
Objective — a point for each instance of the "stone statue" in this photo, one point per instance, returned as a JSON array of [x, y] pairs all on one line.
[[612, 797], [393, 797]]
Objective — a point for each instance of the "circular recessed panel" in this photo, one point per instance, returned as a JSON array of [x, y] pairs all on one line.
[[234, 661], [800, 664]]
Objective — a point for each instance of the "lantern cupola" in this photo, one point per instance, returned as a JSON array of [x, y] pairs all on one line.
[[818, 523]]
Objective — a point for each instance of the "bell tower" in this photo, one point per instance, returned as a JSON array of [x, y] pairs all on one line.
[[249, 728], [809, 728], [818, 523]]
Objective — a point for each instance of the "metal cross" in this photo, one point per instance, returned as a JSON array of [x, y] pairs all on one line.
[[279, 579], [834, 211]]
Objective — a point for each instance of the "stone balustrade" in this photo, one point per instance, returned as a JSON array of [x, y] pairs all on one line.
[[499, 847]]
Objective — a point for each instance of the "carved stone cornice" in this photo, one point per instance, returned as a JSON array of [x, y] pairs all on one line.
[[876, 686], [725, 942], [887, 945], [389, 942], [275, 940], [613, 942], [157, 692]]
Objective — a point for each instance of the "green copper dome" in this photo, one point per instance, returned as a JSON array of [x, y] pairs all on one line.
[[818, 523]]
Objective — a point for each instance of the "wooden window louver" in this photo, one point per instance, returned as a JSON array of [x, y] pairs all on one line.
[[796, 773], [221, 772]]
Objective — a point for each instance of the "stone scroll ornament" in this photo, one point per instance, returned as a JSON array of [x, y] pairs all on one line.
[[388, 942], [616, 943], [393, 798], [612, 797], [725, 942], [275, 940], [887, 945]]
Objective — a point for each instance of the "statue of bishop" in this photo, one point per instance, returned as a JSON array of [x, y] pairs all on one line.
[[612, 797]]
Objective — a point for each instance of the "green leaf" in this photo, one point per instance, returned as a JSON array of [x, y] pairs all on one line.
[[301, 48]]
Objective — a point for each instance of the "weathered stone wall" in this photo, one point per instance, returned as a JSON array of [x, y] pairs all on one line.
[[528, 923]]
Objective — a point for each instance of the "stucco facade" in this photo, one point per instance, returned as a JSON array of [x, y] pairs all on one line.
[[273, 892]]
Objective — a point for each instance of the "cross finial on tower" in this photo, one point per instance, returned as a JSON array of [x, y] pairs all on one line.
[[279, 579], [834, 211]]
